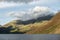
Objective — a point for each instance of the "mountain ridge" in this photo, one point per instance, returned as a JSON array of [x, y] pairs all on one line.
[[49, 28]]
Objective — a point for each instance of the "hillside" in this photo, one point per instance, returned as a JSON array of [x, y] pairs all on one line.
[[31, 21], [52, 27], [25, 26]]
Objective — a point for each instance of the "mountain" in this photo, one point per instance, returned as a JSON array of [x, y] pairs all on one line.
[[0, 26], [52, 27], [18, 22], [44, 25], [19, 26]]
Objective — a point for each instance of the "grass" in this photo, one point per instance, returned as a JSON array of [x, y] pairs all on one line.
[[43, 27]]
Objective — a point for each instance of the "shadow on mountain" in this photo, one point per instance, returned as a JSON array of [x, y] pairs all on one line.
[[34, 20], [7, 30]]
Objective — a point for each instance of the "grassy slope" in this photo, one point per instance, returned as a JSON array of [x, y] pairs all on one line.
[[44, 27], [25, 28], [53, 27]]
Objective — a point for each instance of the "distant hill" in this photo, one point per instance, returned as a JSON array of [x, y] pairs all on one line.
[[42, 25], [24, 26], [52, 27], [48, 17], [0, 25], [39, 19]]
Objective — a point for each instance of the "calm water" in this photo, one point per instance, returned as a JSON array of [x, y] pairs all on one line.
[[28, 37]]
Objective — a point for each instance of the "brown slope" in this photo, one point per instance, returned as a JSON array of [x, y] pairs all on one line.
[[49, 28]]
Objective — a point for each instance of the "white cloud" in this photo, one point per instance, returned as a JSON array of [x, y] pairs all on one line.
[[34, 13], [39, 9], [49, 1], [13, 3], [20, 1], [45, 2], [27, 1], [8, 4]]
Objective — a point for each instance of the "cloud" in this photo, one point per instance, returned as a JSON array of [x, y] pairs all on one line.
[[20, 1], [34, 13], [8, 4], [27, 1], [45, 2], [13, 3]]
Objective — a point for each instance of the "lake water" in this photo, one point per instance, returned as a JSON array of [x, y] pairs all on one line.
[[29, 37]]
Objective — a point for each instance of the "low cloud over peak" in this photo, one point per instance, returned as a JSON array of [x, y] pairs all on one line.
[[34, 13], [39, 9]]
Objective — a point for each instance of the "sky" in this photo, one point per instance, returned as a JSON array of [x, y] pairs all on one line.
[[26, 9]]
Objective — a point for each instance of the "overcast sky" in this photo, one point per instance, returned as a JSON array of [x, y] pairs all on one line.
[[10, 9]]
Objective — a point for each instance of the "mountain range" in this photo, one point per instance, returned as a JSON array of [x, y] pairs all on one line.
[[52, 27], [49, 24]]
